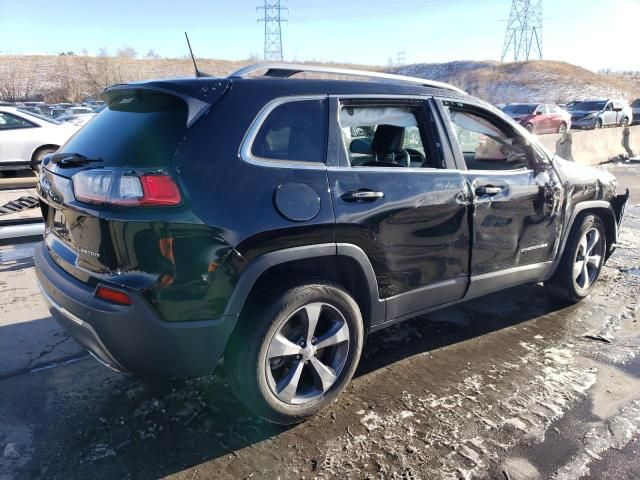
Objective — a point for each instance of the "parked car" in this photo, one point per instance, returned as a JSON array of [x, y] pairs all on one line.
[[539, 118], [78, 111], [278, 221], [635, 109], [595, 114], [26, 137], [79, 119], [571, 105]]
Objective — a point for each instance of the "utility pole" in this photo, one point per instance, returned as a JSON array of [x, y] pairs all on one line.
[[272, 20], [401, 58], [524, 31]]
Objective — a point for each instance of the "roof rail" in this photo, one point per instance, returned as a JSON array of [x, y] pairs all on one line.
[[286, 70]]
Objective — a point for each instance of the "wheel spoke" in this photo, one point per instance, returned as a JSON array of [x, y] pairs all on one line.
[[582, 247], [577, 269], [288, 386], [594, 261], [281, 346], [593, 241], [313, 315], [324, 373], [339, 333], [585, 276]]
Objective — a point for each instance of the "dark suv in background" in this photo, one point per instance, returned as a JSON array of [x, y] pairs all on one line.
[[277, 221]]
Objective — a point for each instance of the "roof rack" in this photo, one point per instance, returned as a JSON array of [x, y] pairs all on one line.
[[286, 70]]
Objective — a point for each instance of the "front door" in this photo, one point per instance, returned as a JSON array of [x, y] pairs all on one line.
[[397, 198], [516, 195], [15, 133], [609, 115]]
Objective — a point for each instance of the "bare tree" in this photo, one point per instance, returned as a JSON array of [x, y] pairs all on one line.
[[127, 52], [151, 54]]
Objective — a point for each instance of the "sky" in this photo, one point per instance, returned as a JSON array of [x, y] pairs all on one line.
[[595, 34]]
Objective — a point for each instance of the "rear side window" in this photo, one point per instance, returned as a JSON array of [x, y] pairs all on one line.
[[293, 131], [138, 128], [10, 122]]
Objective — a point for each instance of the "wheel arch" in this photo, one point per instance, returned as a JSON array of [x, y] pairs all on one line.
[[40, 148], [344, 264], [604, 211]]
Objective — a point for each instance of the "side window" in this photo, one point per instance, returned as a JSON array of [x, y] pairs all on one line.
[[487, 143], [294, 131], [388, 136], [10, 122], [609, 107]]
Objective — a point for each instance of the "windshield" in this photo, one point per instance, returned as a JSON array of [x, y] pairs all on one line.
[[519, 109], [144, 128], [590, 106], [37, 115]]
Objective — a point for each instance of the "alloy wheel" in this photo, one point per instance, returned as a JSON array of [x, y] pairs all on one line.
[[588, 259], [307, 353]]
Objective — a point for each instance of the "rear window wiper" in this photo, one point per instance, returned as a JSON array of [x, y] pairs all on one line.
[[72, 159]]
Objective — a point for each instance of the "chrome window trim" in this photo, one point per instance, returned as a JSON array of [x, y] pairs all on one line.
[[246, 146]]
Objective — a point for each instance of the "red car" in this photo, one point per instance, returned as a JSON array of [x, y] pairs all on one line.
[[539, 117]]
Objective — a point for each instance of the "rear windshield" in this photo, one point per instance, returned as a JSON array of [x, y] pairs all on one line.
[[137, 128], [519, 109]]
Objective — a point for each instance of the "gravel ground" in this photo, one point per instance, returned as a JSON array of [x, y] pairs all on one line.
[[510, 386]]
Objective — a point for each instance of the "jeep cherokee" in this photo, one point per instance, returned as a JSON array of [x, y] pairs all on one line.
[[276, 221]]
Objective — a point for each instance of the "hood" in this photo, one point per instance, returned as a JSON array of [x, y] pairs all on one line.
[[577, 174]]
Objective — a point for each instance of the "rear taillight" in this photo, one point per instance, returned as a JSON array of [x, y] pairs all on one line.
[[110, 187], [113, 296]]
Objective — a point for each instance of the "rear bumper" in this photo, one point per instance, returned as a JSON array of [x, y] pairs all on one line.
[[130, 338]]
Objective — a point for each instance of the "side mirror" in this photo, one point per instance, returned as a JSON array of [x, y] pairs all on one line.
[[361, 146], [617, 109], [538, 112]]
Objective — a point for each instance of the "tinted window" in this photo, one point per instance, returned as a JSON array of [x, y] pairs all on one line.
[[636, 104], [8, 122], [293, 131], [137, 128], [485, 143]]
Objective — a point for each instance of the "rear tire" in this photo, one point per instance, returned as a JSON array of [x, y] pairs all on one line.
[[274, 361], [624, 123], [581, 261]]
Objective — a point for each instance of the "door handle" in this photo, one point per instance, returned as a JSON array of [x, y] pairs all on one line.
[[363, 195], [488, 191]]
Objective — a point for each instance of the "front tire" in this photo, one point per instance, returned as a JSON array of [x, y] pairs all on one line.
[[562, 129], [529, 127], [293, 352], [598, 125], [581, 262], [36, 161]]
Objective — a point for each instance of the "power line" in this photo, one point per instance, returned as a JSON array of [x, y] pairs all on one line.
[[524, 30], [272, 20], [388, 7]]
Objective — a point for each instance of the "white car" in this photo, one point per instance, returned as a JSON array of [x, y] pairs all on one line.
[[78, 120], [26, 137], [78, 110]]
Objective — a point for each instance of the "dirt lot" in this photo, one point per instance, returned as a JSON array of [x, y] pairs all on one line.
[[511, 386]]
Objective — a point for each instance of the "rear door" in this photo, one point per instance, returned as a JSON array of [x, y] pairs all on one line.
[[398, 197], [516, 197], [16, 137]]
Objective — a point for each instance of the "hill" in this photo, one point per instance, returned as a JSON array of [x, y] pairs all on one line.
[[534, 81], [73, 78]]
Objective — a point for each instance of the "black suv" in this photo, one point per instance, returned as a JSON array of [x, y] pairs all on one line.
[[276, 221]]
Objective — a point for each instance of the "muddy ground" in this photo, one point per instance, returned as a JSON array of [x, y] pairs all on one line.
[[510, 386]]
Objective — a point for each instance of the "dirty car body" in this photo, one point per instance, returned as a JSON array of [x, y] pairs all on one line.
[[392, 190]]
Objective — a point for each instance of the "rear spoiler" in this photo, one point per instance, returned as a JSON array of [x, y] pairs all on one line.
[[198, 94]]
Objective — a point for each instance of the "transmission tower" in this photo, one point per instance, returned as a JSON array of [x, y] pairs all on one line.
[[272, 29], [524, 31]]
